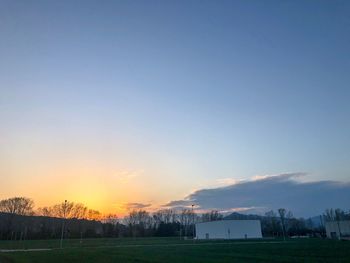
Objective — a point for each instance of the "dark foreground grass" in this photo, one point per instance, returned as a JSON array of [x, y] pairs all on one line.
[[91, 242], [173, 250]]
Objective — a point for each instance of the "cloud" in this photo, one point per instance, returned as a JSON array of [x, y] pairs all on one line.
[[127, 175], [131, 206], [179, 204], [225, 182], [263, 193], [283, 176]]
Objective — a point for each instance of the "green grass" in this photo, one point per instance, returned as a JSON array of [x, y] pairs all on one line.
[[174, 250]]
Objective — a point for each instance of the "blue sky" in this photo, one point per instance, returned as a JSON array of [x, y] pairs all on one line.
[[186, 93]]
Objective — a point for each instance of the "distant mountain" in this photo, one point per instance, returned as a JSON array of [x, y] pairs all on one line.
[[316, 221]]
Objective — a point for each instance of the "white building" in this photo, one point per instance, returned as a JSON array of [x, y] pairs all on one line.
[[338, 229], [229, 229]]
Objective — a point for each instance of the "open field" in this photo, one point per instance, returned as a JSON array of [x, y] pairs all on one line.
[[175, 250]]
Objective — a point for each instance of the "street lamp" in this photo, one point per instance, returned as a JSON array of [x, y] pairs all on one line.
[[193, 221], [63, 220]]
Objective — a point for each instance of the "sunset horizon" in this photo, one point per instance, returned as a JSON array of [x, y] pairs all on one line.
[[123, 106], [204, 131]]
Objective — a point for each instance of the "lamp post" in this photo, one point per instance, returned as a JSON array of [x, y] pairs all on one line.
[[193, 221], [63, 221]]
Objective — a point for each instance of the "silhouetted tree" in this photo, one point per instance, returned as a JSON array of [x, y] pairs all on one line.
[[17, 205], [282, 213], [335, 215], [213, 215], [93, 215], [270, 224], [138, 222], [69, 210], [21, 206], [164, 216], [186, 218], [111, 226]]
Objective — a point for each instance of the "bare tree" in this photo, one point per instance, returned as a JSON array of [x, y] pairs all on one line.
[[282, 213], [329, 215], [65, 210], [164, 216], [94, 215], [213, 215], [21, 206], [17, 205], [110, 219], [272, 225], [78, 211], [138, 221], [335, 215], [44, 211], [111, 225], [186, 219], [288, 220]]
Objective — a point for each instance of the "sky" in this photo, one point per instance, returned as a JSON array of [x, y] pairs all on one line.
[[138, 104]]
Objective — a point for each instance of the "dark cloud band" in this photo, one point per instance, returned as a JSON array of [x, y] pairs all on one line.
[[273, 192]]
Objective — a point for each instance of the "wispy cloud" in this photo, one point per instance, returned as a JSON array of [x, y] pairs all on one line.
[[127, 175], [226, 181], [283, 176], [262, 193], [179, 203], [132, 206]]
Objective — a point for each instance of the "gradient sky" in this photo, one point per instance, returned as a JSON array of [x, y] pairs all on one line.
[[116, 102]]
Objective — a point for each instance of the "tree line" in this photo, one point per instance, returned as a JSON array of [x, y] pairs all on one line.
[[19, 220]]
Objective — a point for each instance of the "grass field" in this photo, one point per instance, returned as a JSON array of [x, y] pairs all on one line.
[[175, 250]]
